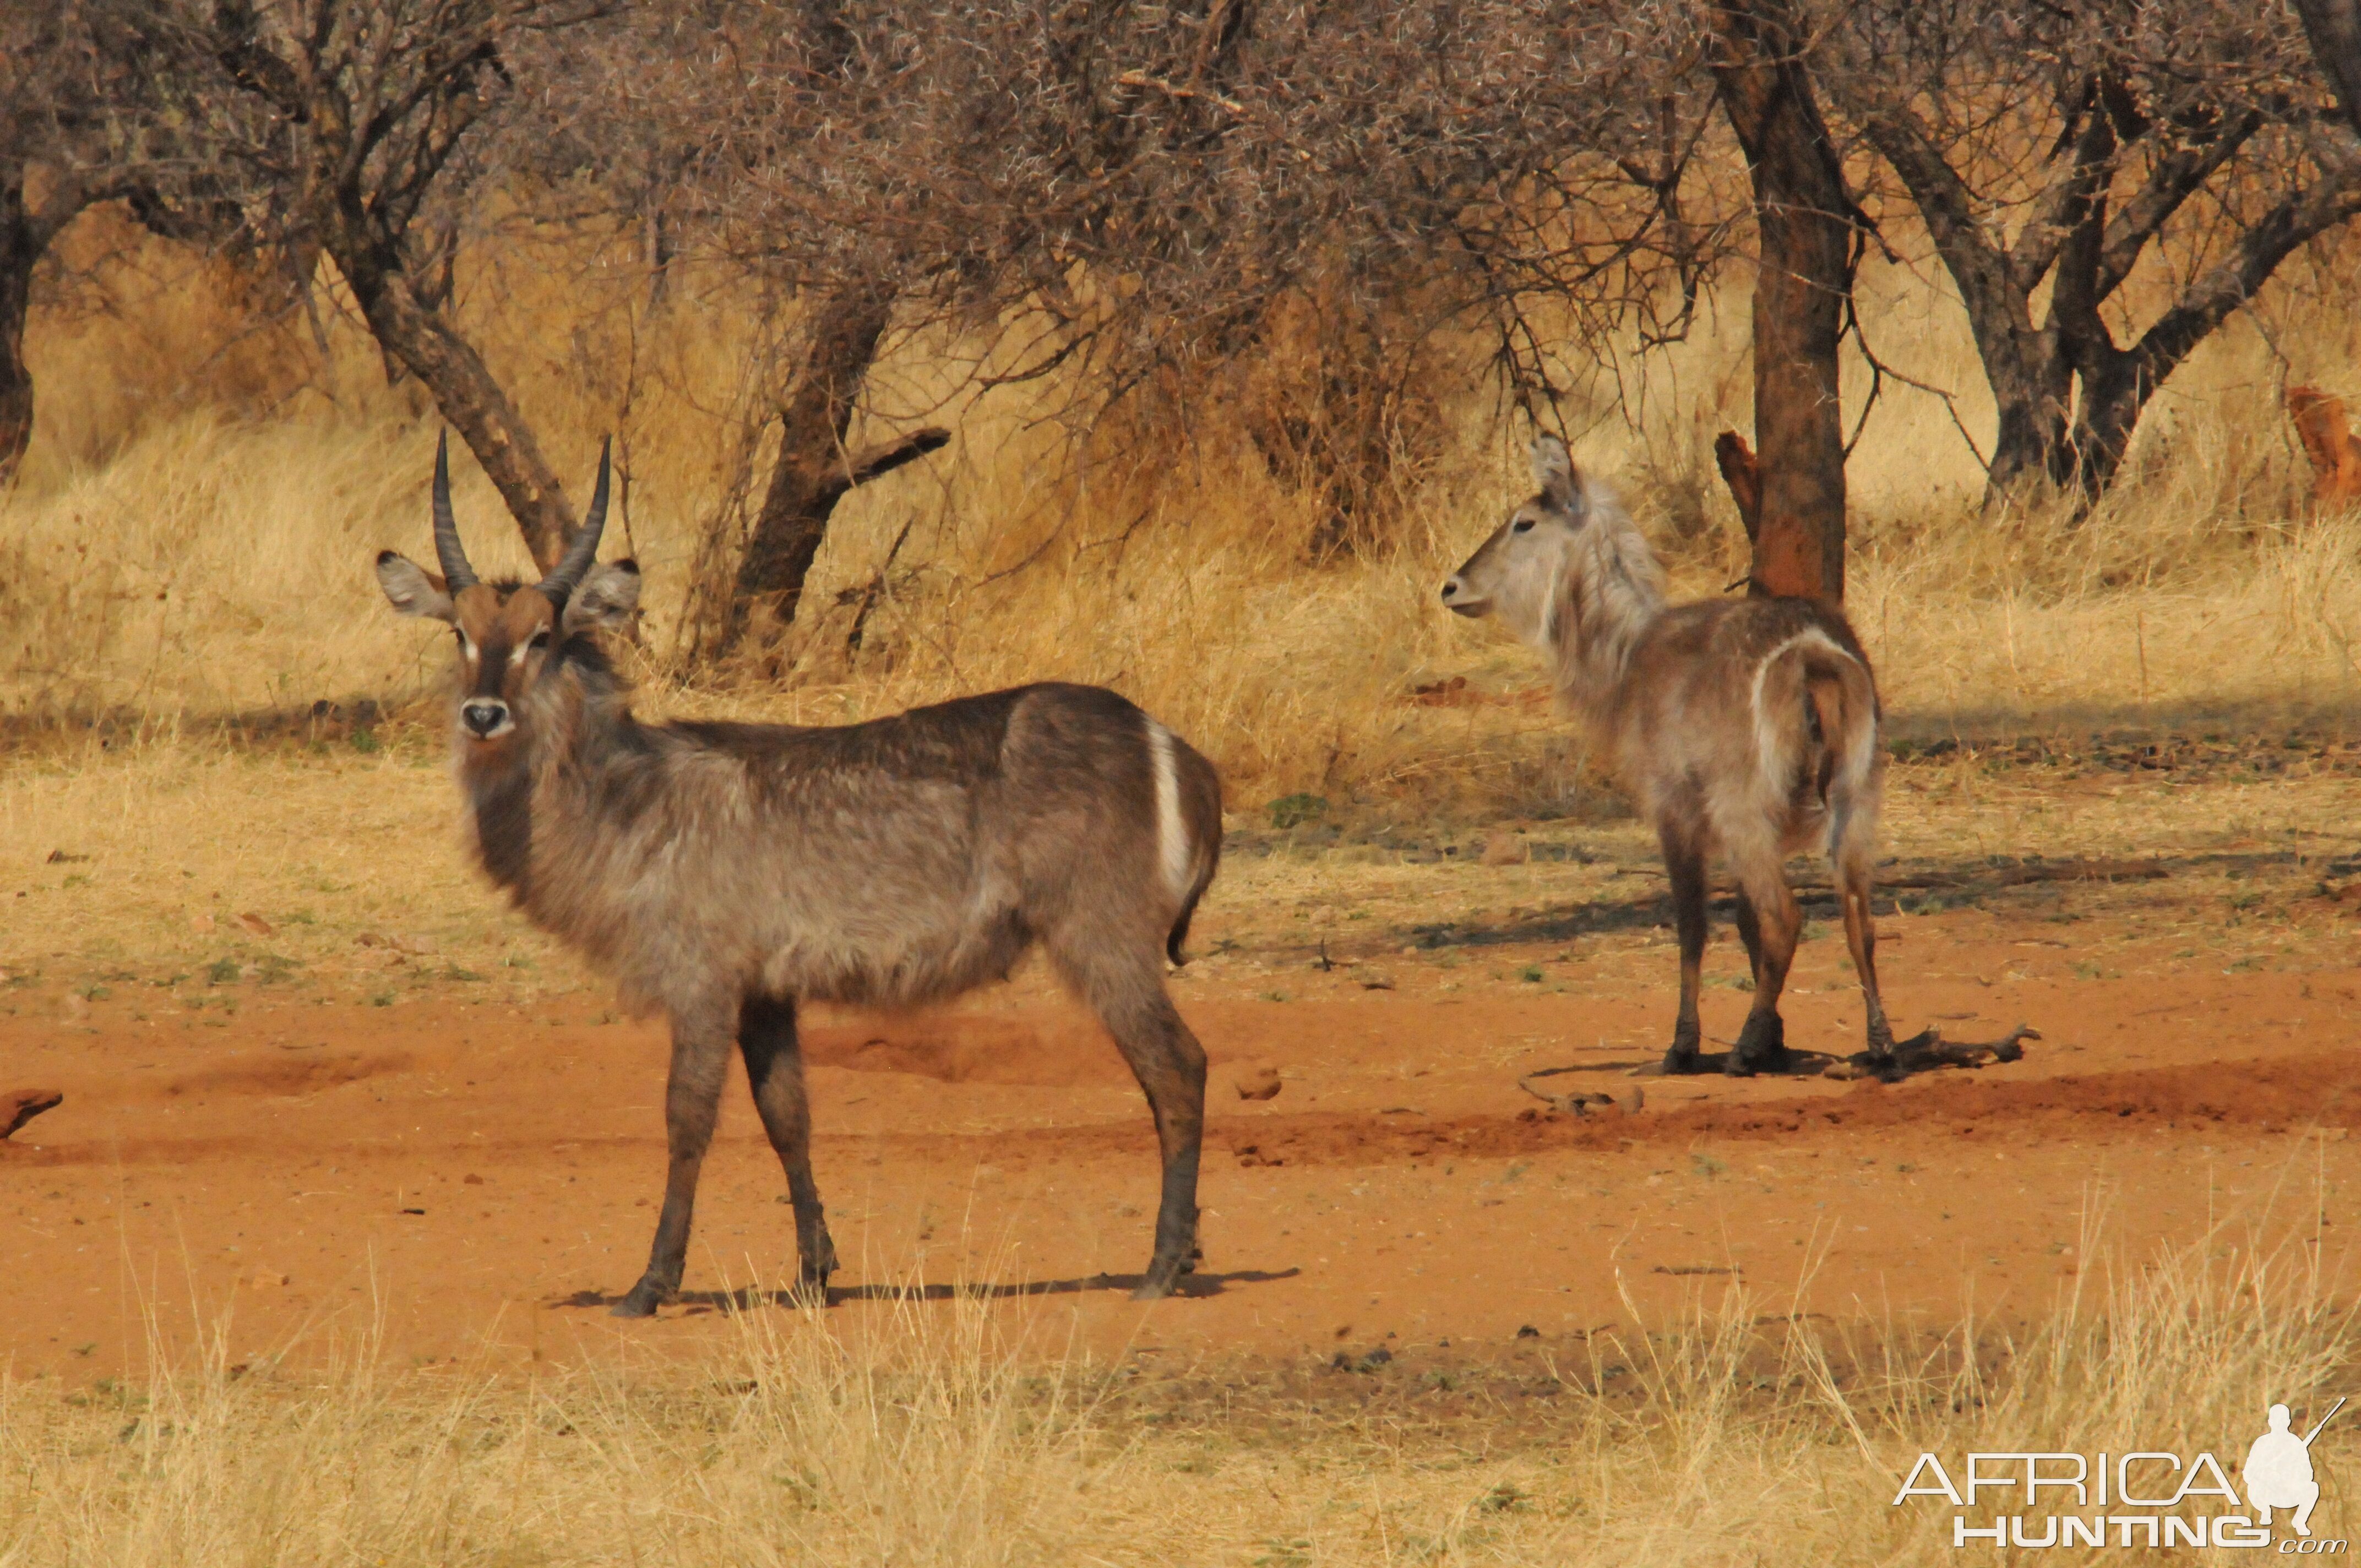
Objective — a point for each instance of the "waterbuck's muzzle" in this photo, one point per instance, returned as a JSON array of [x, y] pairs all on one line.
[[486, 717], [1462, 599]]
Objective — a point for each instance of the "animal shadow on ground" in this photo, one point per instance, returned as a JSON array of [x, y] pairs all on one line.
[[1926, 1051], [744, 1299]]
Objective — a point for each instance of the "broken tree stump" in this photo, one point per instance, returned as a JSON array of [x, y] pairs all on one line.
[[2329, 442], [1744, 477]]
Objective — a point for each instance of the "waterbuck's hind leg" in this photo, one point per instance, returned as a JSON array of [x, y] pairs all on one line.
[[700, 1055], [1861, 936], [1685, 864], [1768, 904], [1749, 931], [1127, 993], [775, 1071]]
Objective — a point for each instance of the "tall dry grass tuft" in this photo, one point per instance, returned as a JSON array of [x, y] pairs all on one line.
[[936, 1434]]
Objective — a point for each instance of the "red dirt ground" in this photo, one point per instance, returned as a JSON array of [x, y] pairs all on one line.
[[475, 1179]]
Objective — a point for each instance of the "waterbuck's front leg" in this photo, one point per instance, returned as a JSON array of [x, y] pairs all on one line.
[[700, 1055], [1685, 864], [774, 1070]]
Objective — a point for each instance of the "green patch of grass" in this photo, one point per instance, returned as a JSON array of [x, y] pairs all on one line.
[[224, 972], [1705, 1165], [1294, 810], [1531, 974]]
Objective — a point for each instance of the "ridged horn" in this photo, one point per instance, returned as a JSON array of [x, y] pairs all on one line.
[[567, 574], [448, 549]]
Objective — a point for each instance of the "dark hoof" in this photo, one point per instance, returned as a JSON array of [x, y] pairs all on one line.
[[1680, 1062], [640, 1303], [1762, 1046], [1163, 1277], [814, 1267], [809, 1290]]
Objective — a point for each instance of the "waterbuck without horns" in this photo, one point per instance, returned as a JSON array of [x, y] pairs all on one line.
[[1748, 727], [726, 873]]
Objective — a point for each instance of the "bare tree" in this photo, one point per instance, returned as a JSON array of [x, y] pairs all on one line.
[[88, 94], [1808, 230], [1131, 198], [370, 107], [2073, 148]]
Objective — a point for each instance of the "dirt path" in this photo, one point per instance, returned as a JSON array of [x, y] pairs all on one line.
[[482, 1176]]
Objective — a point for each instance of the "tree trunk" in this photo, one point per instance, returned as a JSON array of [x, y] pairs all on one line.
[[814, 470], [21, 243], [2334, 28], [465, 392], [1806, 219]]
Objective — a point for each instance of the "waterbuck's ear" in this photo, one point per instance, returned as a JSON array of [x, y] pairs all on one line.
[[1553, 472], [607, 599], [412, 591]]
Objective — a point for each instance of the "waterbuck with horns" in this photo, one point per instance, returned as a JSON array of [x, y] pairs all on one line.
[[726, 873], [1747, 726]]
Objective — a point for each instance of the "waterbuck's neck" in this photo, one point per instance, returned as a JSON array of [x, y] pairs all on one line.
[[1611, 588], [577, 715]]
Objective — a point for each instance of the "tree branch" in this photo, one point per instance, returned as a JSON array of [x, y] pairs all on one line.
[[888, 455]]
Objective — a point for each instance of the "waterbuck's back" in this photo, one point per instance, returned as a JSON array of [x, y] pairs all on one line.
[[895, 862]]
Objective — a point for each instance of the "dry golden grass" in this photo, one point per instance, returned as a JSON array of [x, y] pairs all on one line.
[[945, 1438], [184, 558]]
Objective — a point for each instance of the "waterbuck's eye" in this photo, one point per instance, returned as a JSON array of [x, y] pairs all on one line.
[[540, 638], [1523, 525]]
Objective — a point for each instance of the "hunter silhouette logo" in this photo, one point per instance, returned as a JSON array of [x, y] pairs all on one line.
[[2278, 1471]]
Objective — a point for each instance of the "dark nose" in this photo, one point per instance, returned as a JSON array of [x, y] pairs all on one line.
[[484, 717], [1450, 589]]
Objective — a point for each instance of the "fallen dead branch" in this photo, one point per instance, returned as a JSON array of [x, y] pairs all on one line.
[[1581, 1103], [1929, 1052], [23, 1105]]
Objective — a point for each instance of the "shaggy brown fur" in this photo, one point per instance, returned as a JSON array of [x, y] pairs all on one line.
[[725, 872], [1747, 726]]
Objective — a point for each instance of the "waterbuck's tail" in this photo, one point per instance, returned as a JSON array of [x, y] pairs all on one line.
[[1841, 706], [1188, 827], [1816, 718]]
